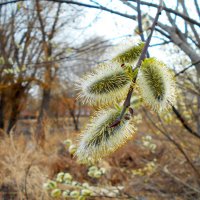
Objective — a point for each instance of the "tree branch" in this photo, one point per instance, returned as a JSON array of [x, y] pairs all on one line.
[[188, 67], [79, 4], [10, 2], [140, 21], [170, 11], [141, 58], [183, 122], [167, 135], [197, 7], [113, 11], [141, 33]]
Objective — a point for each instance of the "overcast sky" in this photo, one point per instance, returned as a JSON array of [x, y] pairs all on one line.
[[111, 26]]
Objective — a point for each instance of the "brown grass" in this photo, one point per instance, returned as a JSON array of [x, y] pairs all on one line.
[[24, 167]]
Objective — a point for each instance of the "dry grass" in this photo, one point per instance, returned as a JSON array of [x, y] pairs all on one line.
[[20, 168], [24, 167]]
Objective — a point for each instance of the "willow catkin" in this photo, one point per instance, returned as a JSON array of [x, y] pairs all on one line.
[[157, 84], [99, 139], [107, 84], [129, 55]]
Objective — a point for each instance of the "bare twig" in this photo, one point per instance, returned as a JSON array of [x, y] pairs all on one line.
[[164, 132], [113, 11], [193, 21], [141, 33], [140, 21], [183, 122], [197, 7], [188, 67], [159, 44], [95, 7], [166, 171], [178, 146], [25, 180]]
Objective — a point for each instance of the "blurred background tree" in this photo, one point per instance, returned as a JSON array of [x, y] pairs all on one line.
[[34, 57]]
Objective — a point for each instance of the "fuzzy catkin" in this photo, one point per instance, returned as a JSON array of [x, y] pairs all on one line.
[[129, 55], [107, 84], [99, 139], [157, 84]]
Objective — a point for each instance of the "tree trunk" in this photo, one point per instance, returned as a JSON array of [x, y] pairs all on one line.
[[75, 120], [1, 111], [43, 113], [198, 99], [17, 95]]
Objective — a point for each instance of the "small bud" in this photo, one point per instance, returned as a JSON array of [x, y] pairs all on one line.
[[65, 193], [56, 193], [72, 149], [67, 143], [86, 185], [148, 137], [51, 184], [97, 174], [127, 116], [146, 143], [131, 111], [86, 192], [59, 180], [46, 186], [115, 123], [153, 147], [75, 183], [103, 170], [93, 168], [59, 177], [91, 174], [67, 177], [74, 193]]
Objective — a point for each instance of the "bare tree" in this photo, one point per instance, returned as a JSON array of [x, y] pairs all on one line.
[[18, 46]]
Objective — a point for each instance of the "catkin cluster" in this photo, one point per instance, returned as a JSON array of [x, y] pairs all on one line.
[[107, 86]]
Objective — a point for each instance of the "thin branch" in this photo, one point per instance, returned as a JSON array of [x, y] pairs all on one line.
[[141, 32], [171, 20], [141, 58], [95, 7], [163, 33], [188, 67], [177, 4], [159, 44], [178, 146], [164, 132], [140, 21], [166, 171], [10, 2], [197, 7], [53, 30], [193, 21], [183, 122], [196, 35], [113, 11], [80, 4]]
